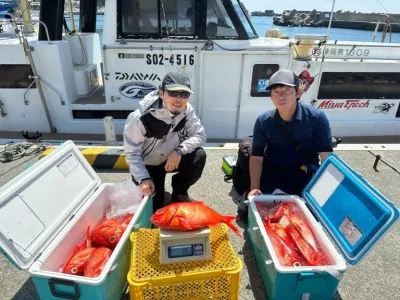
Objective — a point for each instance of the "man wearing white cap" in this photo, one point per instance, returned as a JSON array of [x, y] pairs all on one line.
[[165, 135], [287, 141]]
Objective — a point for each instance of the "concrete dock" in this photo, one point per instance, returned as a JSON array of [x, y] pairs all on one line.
[[376, 276]]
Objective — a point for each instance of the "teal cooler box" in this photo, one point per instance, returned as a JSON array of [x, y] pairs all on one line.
[[354, 214], [44, 214]]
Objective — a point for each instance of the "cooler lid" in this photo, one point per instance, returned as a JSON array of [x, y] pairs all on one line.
[[40, 201], [353, 212]]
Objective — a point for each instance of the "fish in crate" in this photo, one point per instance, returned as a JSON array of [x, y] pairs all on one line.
[[89, 258], [291, 235]]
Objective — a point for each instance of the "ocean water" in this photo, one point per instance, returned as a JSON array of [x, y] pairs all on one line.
[[263, 24]]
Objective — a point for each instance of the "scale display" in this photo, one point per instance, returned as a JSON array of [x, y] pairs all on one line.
[[185, 250], [180, 251], [184, 246]]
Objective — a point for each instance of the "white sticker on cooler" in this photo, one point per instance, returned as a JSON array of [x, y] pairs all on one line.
[[67, 165], [326, 184], [350, 231]]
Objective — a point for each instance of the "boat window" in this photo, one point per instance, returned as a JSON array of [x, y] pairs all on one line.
[[219, 24], [139, 16], [16, 77], [260, 79], [243, 18], [358, 85], [143, 18], [177, 16]]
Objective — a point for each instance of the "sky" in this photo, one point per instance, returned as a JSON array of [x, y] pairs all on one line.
[[391, 6]]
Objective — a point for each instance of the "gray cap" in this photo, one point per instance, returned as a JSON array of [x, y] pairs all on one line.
[[284, 77], [176, 81]]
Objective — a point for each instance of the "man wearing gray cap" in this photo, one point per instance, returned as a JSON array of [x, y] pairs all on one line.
[[165, 135], [288, 141]]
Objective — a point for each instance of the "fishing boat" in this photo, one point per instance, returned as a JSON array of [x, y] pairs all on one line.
[[71, 82]]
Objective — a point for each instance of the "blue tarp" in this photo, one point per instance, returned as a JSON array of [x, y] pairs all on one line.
[[6, 8]]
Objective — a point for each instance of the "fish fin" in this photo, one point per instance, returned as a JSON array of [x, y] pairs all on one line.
[[183, 222], [88, 238], [228, 221]]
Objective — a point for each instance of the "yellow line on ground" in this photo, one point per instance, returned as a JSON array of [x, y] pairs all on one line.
[[121, 163], [91, 153]]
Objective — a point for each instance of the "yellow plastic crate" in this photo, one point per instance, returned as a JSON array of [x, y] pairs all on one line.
[[218, 278]]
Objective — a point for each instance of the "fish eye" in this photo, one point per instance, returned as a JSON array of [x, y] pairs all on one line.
[[112, 238], [160, 211], [74, 270]]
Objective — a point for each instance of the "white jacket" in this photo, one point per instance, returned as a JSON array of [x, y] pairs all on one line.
[[151, 134]]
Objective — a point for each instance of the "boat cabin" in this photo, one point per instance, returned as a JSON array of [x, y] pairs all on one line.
[[70, 82]]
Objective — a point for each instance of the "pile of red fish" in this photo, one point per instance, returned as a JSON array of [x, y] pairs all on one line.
[[292, 239], [89, 258]]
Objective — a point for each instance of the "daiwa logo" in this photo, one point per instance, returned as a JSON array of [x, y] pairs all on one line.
[[136, 89]]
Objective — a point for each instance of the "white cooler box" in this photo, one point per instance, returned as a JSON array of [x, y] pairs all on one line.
[[44, 214], [354, 214]]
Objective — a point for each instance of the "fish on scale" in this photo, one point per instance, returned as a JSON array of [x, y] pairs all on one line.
[[186, 216]]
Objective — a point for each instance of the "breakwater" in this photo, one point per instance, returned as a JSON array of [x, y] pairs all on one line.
[[361, 21]]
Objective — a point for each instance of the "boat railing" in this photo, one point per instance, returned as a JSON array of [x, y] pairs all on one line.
[[21, 22]]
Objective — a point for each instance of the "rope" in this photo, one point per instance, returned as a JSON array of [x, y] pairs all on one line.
[[15, 151]]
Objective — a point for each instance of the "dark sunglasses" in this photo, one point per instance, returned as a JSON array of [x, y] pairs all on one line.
[[181, 94]]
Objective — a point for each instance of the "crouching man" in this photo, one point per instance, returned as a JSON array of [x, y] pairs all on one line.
[[163, 136]]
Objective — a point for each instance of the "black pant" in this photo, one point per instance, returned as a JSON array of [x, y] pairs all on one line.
[[290, 180], [189, 171]]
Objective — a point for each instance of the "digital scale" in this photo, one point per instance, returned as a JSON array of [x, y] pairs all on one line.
[[184, 246]]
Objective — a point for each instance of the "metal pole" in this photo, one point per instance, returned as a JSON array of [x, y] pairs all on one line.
[[326, 42], [26, 15], [87, 16], [376, 30], [36, 77], [52, 14], [71, 16], [385, 29]]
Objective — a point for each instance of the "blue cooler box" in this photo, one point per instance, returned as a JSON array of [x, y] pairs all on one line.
[[354, 214], [44, 214]]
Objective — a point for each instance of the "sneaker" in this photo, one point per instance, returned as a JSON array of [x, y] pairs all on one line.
[[181, 198]]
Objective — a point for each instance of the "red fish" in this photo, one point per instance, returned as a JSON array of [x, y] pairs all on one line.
[[77, 262], [284, 209], [75, 265], [97, 261], [282, 245], [304, 230], [108, 233], [312, 257], [186, 216], [263, 208], [126, 219]]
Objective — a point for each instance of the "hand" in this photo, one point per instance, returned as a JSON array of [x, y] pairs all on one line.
[[254, 192], [172, 162], [147, 187]]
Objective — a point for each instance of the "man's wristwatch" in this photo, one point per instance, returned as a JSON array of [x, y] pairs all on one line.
[[179, 150]]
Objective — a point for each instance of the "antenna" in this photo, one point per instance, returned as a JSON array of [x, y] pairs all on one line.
[[326, 43]]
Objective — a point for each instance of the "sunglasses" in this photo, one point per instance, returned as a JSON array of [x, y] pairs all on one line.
[[181, 94]]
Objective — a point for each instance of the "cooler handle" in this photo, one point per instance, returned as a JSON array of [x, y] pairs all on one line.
[[53, 281], [331, 271]]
